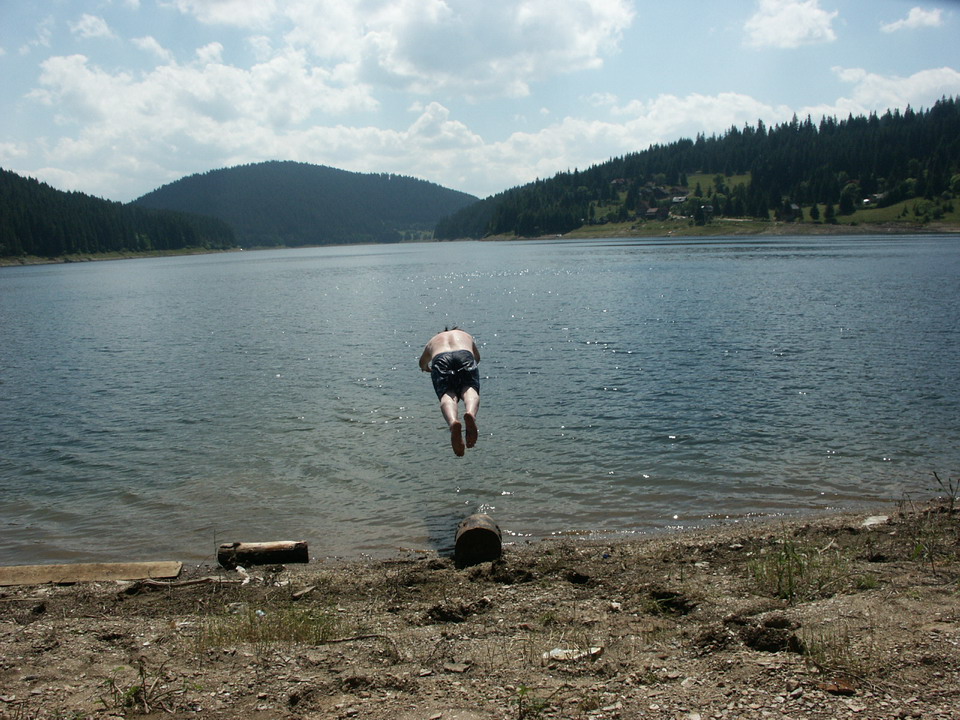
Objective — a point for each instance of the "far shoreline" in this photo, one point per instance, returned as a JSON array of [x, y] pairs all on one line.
[[666, 230]]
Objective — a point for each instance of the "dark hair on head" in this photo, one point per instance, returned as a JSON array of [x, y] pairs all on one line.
[[448, 329]]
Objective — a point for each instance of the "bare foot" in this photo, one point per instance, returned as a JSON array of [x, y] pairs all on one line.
[[472, 434], [456, 438]]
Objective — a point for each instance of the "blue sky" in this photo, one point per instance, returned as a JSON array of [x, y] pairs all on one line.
[[118, 97]]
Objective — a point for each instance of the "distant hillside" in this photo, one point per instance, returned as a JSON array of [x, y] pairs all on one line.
[[796, 171], [36, 219], [294, 204]]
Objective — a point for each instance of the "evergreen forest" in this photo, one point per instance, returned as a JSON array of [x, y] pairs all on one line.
[[36, 219], [294, 204], [795, 171]]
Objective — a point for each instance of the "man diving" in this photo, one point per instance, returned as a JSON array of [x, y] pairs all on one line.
[[451, 358]]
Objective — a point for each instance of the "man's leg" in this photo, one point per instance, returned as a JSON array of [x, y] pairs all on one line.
[[471, 403], [450, 410]]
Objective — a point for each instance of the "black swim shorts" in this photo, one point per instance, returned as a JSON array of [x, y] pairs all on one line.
[[454, 372]]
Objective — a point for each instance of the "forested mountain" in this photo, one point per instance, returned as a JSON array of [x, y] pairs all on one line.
[[880, 159], [292, 204], [36, 219]]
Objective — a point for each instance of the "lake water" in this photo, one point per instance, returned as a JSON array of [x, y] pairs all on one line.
[[154, 408]]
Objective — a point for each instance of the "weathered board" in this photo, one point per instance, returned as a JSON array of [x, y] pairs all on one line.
[[279, 552], [87, 572]]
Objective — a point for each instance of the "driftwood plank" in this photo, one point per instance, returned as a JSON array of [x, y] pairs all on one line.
[[279, 552], [87, 572]]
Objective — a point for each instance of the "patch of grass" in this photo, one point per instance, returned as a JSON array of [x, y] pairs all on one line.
[[909, 212], [796, 573], [549, 618], [933, 533], [706, 181], [833, 651], [867, 581], [951, 488], [279, 626]]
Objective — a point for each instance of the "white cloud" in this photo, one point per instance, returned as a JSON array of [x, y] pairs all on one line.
[[916, 18], [206, 111], [91, 26], [789, 24], [434, 130], [12, 151], [239, 13], [878, 93], [44, 31], [497, 47], [151, 45]]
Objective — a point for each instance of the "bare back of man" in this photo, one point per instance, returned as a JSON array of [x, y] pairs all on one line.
[[451, 357]]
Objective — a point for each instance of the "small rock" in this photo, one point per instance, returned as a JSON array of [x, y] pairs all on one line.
[[837, 687], [456, 667]]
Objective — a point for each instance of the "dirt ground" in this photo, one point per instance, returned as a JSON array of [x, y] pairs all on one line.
[[849, 616]]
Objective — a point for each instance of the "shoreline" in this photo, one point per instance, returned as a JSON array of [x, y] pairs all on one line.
[[846, 615], [204, 557], [666, 229]]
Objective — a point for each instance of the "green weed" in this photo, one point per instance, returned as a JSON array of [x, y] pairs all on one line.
[[797, 573], [147, 693], [529, 706]]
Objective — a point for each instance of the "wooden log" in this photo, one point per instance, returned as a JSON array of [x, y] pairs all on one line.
[[478, 540], [280, 552], [87, 572]]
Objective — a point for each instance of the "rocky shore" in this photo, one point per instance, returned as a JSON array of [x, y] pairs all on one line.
[[847, 616]]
